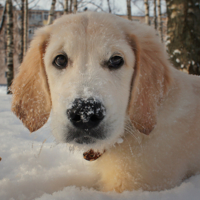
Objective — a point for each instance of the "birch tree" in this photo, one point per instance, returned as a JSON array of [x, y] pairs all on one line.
[[128, 3], [75, 6], [21, 32], [155, 14], [51, 12], [183, 30], [109, 8], [10, 46], [66, 7], [160, 29], [70, 6], [3, 18], [146, 3]]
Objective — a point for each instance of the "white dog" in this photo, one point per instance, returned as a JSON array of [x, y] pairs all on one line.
[[111, 89]]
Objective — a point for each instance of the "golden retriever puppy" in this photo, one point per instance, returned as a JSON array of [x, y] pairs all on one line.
[[111, 89]]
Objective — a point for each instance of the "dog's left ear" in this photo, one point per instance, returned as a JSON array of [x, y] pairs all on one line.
[[31, 96], [151, 78]]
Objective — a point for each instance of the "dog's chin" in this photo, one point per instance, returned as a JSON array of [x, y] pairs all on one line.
[[100, 139], [85, 140], [86, 143]]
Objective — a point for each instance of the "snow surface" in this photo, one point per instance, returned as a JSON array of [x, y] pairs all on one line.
[[32, 168]]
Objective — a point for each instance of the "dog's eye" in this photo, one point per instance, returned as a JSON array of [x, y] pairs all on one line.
[[115, 62], [60, 61]]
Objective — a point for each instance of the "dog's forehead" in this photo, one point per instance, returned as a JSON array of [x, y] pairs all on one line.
[[86, 32], [91, 24]]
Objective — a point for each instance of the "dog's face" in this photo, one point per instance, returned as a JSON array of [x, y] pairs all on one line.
[[89, 68], [94, 72]]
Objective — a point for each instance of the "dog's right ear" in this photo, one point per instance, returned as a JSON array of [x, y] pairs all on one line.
[[31, 95]]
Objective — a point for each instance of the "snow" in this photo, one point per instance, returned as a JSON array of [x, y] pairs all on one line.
[[120, 140], [177, 51], [33, 166]]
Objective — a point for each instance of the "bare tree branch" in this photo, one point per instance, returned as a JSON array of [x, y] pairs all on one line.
[[18, 4], [135, 4], [34, 4], [61, 3], [98, 6]]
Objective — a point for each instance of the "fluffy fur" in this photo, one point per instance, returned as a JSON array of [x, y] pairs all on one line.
[[154, 108]]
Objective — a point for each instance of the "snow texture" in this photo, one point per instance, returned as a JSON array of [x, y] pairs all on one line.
[[177, 51], [33, 166]]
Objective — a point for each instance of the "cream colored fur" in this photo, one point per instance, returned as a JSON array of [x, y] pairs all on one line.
[[153, 107]]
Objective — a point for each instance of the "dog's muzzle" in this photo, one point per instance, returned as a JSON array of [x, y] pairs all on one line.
[[86, 115]]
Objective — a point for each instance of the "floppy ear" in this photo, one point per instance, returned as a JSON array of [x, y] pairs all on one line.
[[151, 78], [31, 96]]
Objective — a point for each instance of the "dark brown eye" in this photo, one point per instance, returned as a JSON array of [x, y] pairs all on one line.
[[115, 62], [60, 61]]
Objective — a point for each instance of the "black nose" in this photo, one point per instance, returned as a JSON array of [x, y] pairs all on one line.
[[86, 113]]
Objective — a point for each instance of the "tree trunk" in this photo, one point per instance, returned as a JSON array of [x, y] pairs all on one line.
[[5, 44], [184, 34], [25, 27], [75, 6], [128, 2], [9, 34], [109, 8], [70, 6], [3, 18], [146, 3], [51, 12], [22, 33], [160, 20], [155, 15], [66, 7]]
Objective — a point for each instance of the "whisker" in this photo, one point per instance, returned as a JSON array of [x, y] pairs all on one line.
[[130, 129]]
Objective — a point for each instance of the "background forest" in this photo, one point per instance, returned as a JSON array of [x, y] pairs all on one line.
[[176, 21]]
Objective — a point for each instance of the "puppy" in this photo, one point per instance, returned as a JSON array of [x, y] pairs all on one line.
[[111, 89]]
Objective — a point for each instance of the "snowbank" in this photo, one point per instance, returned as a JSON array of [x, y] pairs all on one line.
[[33, 166], [3, 89]]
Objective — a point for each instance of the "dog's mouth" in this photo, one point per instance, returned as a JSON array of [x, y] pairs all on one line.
[[85, 136], [91, 155], [84, 140]]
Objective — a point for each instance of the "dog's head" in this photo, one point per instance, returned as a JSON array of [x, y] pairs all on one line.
[[94, 71]]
